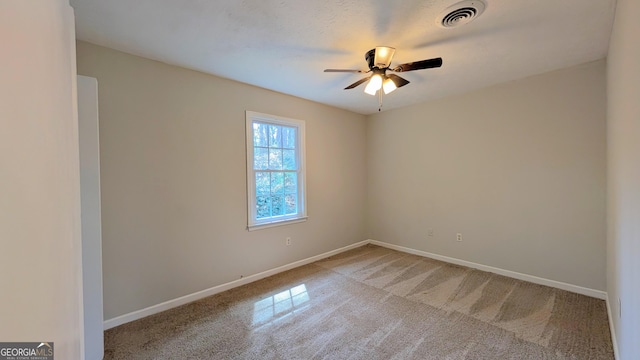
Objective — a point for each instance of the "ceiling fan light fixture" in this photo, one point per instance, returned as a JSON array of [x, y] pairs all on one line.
[[375, 83], [379, 61], [388, 85], [383, 56]]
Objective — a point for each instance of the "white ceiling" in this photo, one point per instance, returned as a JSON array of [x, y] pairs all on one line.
[[284, 45]]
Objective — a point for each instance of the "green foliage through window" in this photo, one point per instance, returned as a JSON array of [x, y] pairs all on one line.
[[276, 169]]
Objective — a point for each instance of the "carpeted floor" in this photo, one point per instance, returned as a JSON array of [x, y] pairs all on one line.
[[374, 303]]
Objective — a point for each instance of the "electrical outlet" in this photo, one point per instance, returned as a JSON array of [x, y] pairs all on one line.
[[459, 237], [288, 241], [430, 232]]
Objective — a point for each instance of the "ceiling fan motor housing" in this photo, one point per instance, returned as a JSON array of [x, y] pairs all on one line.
[[370, 57]]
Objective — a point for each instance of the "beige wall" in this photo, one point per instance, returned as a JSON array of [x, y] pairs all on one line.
[[623, 178], [518, 169], [172, 145], [40, 250]]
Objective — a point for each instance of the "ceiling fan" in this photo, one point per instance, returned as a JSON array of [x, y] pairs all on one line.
[[379, 61]]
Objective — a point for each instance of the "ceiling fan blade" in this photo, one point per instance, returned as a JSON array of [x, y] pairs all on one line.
[[357, 83], [400, 82], [419, 65], [344, 71]]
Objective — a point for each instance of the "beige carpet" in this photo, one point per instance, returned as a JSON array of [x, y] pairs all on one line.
[[374, 303]]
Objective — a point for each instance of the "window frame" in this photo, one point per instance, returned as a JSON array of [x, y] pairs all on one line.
[[252, 222]]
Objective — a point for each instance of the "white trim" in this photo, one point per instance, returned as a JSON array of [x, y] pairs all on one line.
[[276, 223], [252, 222], [612, 330], [512, 274], [139, 314]]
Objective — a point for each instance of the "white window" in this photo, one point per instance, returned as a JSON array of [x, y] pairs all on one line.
[[275, 170]]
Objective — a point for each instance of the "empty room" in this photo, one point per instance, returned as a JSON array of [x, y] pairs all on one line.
[[320, 180]]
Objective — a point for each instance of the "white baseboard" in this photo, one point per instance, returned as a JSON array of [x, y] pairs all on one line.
[[139, 314], [512, 274], [612, 329]]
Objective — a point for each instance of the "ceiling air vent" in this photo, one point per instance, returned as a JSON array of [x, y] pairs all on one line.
[[461, 13]]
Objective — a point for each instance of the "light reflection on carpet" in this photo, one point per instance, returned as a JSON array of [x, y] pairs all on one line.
[[280, 305]]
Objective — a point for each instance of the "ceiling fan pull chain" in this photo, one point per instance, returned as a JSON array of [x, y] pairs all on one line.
[[380, 101]]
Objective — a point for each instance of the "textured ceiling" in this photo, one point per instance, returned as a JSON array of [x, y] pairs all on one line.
[[284, 45]]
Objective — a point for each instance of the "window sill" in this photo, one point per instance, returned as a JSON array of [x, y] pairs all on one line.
[[276, 223]]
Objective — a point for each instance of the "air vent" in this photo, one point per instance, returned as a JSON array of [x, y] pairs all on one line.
[[461, 13]]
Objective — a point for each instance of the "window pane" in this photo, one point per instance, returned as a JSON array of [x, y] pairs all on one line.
[[275, 159], [291, 204], [277, 205], [289, 159], [277, 183], [288, 137], [275, 180], [263, 207], [290, 182], [275, 136], [263, 183], [260, 158], [260, 134]]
